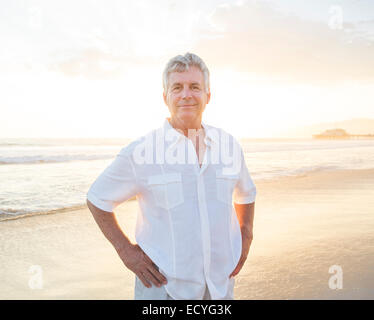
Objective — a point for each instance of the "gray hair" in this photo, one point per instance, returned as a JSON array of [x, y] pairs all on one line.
[[183, 63]]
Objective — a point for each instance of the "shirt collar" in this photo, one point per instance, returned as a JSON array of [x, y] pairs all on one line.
[[209, 134]]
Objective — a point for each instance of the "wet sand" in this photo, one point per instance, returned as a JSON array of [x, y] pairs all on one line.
[[303, 226]]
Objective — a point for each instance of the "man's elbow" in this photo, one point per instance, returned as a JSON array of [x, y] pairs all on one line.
[[95, 210], [89, 204], [92, 207]]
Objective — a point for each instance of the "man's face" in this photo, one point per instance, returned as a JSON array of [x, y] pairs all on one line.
[[186, 97]]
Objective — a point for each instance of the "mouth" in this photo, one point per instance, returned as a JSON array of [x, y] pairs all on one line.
[[188, 106]]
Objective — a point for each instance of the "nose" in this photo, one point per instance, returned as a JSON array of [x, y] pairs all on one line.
[[186, 93]]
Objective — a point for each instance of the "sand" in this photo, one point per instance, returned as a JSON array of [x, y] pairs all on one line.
[[303, 226]]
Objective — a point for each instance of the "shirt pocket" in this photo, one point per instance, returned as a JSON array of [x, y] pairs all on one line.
[[167, 190], [225, 184]]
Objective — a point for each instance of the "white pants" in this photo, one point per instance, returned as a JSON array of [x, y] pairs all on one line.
[[141, 292]]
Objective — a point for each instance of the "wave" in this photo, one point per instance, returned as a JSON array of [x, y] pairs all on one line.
[[301, 172], [52, 159], [62, 142], [10, 214]]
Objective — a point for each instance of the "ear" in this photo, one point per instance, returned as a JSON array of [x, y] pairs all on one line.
[[208, 97], [165, 97]]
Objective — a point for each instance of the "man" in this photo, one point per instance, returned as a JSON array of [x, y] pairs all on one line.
[[191, 242]]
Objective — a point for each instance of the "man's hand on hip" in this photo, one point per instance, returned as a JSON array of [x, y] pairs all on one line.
[[132, 255], [138, 262]]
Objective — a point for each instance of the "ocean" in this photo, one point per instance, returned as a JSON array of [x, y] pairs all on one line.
[[50, 175]]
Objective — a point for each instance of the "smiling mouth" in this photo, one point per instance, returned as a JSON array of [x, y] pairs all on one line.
[[188, 106]]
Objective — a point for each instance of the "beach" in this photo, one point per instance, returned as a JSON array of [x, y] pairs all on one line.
[[303, 225]]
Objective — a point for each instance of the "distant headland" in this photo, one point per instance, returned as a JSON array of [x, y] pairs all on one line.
[[341, 134]]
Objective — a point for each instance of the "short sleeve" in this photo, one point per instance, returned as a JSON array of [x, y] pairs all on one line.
[[245, 189], [116, 184]]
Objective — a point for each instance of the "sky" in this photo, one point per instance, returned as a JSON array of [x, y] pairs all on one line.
[[94, 68]]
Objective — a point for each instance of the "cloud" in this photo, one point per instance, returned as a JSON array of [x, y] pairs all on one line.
[[257, 38], [95, 41]]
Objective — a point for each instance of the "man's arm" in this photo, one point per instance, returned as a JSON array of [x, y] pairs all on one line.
[[245, 214], [132, 255]]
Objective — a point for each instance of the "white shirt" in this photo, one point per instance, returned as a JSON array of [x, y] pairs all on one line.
[[187, 223]]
